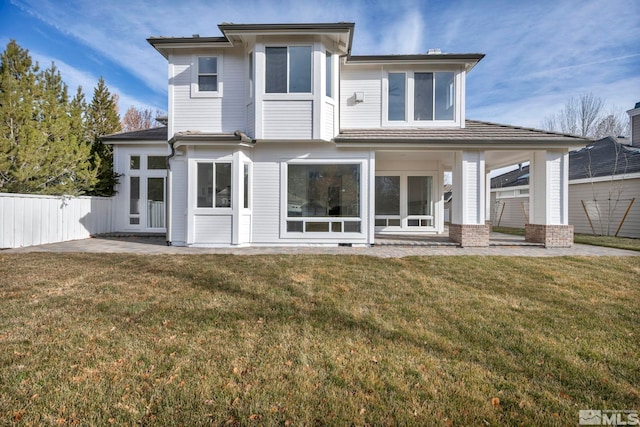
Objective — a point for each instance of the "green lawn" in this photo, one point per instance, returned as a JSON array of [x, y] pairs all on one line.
[[304, 340], [586, 239]]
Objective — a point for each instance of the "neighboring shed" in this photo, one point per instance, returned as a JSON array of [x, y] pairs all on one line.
[[604, 186]]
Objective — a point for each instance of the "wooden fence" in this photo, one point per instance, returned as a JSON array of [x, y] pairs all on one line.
[[27, 220]]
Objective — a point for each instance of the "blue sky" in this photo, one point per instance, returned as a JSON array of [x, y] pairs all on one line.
[[538, 53]]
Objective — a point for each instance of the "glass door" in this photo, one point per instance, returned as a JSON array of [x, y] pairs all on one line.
[[155, 203]]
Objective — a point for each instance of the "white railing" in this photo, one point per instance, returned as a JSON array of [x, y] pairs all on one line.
[[27, 219]]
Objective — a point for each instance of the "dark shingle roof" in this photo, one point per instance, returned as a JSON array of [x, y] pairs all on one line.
[[603, 158], [474, 132], [512, 178], [159, 133]]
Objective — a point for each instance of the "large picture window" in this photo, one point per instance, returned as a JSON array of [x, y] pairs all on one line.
[[288, 69], [214, 185], [323, 198]]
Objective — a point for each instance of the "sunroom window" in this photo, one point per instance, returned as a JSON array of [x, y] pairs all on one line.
[[323, 198], [288, 69], [213, 185]]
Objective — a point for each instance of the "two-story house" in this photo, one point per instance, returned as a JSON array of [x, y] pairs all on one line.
[[278, 135]]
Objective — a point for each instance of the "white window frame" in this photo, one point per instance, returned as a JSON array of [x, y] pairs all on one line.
[[195, 87], [404, 216], [288, 93], [409, 99], [212, 209], [328, 235]]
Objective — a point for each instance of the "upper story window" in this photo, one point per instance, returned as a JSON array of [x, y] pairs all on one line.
[[207, 76], [420, 96], [288, 69]]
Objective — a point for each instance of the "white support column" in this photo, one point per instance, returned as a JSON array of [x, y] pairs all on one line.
[[237, 190], [468, 225], [549, 199], [487, 197], [371, 205]]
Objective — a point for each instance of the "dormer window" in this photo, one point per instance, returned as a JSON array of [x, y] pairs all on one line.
[[206, 78], [414, 97], [288, 69]]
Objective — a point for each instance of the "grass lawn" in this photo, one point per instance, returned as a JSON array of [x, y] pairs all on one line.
[[97, 339], [586, 239]]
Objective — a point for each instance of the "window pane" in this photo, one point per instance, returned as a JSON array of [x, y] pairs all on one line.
[[397, 92], [134, 162], [387, 195], [276, 70], [208, 65], [352, 227], [134, 195], [246, 186], [223, 185], [420, 195], [317, 227], [295, 226], [423, 96], [300, 69], [155, 202], [156, 162], [207, 83], [205, 185], [444, 96], [328, 74], [323, 190]]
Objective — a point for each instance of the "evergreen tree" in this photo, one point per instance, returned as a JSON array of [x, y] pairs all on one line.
[[43, 148], [103, 119], [19, 137]]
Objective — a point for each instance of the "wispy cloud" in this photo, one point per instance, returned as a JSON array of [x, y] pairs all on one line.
[[538, 53]]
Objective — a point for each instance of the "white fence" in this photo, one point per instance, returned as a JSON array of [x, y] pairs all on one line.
[[27, 220]]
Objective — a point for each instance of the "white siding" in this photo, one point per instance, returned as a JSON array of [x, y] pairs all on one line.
[[635, 130], [179, 201], [219, 114], [266, 201], [212, 229], [605, 215], [27, 220], [366, 114], [329, 110], [245, 229], [287, 119]]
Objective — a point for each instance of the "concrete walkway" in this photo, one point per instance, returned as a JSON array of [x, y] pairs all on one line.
[[155, 246]]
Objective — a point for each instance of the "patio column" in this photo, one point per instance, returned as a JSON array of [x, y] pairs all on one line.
[[549, 200], [468, 227]]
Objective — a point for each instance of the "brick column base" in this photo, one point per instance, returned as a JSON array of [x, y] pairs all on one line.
[[470, 235], [553, 236]]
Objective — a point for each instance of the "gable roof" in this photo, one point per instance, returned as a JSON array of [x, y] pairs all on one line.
[[154, 134], [235, 33], [475, 133], [605, 157]]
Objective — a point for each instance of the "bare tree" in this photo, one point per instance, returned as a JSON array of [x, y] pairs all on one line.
[[137, 119], [585, 116]]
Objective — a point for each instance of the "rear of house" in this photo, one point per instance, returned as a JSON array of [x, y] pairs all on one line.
[[278, 135]]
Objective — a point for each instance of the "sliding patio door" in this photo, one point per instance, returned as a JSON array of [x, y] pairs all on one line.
[[404, 202]]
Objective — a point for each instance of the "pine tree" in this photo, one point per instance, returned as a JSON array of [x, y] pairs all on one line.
[[20, 138], [103, 119]]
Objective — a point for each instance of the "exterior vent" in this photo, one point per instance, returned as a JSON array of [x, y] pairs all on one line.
[[196, 36]]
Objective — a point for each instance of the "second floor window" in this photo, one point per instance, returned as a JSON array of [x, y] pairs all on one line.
[[432, 98], [288, 69], [207, 74]]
